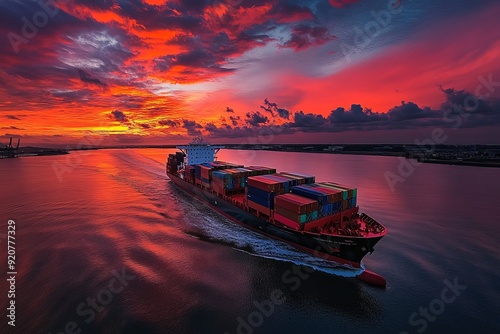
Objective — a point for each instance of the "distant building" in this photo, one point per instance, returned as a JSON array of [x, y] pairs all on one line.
[[333, 148]]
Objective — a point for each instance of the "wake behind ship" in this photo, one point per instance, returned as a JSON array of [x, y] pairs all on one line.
[[321, 218]]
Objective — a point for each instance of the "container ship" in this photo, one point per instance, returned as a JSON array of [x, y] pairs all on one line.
[[321, 218]]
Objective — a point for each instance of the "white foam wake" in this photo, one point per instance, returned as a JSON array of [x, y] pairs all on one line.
[[219, 228]]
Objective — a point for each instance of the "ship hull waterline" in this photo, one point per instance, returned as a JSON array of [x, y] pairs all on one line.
[[344, 250]]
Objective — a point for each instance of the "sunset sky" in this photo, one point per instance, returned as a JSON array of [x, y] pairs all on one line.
[[324, 71]]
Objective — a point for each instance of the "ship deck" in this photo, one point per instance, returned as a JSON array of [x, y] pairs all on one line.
[[367, 227]]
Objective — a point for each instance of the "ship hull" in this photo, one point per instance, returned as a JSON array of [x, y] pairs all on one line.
[[341, 249]]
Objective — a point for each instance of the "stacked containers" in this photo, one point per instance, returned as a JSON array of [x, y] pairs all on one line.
[[189, 173], [238, 178], [225, 165], [260, 193], [179, 157], [308, 179], [325, 208], [229, 179], [221, 181], [349, 195], [260, 170], [197, 172], [287, 183], [295, 180], [294, 210], [206, 175], [335, 196], [172, 164]]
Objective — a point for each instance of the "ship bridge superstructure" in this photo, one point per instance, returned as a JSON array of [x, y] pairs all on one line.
[[198, 152]]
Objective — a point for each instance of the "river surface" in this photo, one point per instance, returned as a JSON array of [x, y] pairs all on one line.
[[106, 244]]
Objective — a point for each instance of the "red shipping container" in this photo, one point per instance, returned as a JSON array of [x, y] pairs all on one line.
[[288, 214], [265, 184], [295, 203], [300, 180], [287, 222]]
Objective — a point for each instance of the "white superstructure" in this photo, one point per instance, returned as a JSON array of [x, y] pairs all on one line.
[[199, 152]]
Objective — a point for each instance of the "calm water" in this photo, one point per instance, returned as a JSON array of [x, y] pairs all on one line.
[[184, 269]]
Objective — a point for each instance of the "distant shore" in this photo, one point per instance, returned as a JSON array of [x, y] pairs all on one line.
[[464, 155]]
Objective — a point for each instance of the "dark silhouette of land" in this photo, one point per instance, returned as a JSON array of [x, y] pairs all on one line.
[[470, 155]]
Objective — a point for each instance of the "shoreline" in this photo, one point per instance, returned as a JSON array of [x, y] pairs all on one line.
[[419, 156]]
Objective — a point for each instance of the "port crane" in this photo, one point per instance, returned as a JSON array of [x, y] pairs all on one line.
[[10, 151]]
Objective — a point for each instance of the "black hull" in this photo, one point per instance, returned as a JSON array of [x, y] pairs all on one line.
[[341, 249]]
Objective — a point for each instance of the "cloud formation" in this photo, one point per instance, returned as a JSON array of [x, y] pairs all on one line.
[[169, 69]]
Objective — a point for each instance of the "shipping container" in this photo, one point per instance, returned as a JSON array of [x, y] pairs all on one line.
[[296, 180], [268, 203], [351, 192], [310, 192], [351, 203], [307, 178], [259, 170], [287, 222], [335, 195], [337, 206], [260, 193], [259, 207], [197, 173], [221, 175], [295, 203], [345, 192], [299, 218], [287, 183], [264, 184]]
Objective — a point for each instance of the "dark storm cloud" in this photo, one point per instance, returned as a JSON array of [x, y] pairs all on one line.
[[301, 120], [460, 109], [356, 114], [256, 118], [119, 116], [410, 110], [59, 23], [292, 9], [226, 131], [304, 36], [169, 122], [273, 109], [102, 53], [193, 128], [468, 101], [88, 78], [234, 119], [65, 48]]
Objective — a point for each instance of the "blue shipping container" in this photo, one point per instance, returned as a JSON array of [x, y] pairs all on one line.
[[260, 193], [310, 193], [337, 207], [325, 210], [221, 175], [262, 201]]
